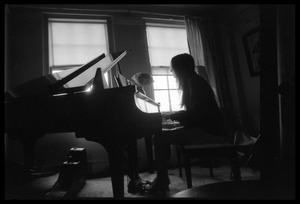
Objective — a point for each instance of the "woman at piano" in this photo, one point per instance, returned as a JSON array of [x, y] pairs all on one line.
[[201, 119]]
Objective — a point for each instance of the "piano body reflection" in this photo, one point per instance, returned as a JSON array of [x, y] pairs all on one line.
[[60, 102]]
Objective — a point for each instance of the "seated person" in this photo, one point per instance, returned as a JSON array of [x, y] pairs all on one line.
[[201, 120]]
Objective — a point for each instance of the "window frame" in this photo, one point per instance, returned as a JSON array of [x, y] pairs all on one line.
[[76, 17], [168, 89], [164, 24]]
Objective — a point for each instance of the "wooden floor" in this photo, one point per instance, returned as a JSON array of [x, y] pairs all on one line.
[[226, 190], [100, 188]]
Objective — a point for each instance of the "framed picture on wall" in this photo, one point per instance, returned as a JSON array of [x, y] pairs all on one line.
[[251, 41]]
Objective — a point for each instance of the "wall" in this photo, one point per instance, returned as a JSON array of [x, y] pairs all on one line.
[[245, 90], [130, 34], [26, 47]]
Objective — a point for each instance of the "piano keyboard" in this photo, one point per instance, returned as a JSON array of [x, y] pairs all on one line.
[[169, 124]]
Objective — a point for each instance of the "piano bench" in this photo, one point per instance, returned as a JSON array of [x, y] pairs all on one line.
[[208, 151]]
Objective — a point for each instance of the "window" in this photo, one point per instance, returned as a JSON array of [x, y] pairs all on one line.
[[74, 42], [164, 42]]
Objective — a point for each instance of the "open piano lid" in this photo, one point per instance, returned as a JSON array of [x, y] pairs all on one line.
[[72, 80]]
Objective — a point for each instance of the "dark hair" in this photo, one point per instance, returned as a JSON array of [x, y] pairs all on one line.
[[183, 65]]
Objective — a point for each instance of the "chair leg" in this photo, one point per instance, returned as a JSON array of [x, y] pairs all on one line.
[[211, 173], [188, 173], [179, 161], [235, 168]]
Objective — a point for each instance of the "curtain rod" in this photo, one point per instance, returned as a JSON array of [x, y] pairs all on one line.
[[177, 16], [155, 13]]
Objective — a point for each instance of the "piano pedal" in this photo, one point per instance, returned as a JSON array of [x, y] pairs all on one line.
[[136, 186], [72, 176]]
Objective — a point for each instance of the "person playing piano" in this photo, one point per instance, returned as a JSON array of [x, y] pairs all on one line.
[[201, 120]]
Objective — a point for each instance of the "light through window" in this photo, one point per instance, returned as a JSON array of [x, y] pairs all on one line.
[[164, 42], [74, 42]]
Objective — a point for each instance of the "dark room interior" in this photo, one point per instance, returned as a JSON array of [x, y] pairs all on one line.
[[246, 52]]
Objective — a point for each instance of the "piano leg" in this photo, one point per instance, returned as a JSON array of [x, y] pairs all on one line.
[[28, 151], [148, 144], [115, 156], [132, 165]]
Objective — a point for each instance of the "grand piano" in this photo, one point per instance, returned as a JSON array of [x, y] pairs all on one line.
[[80, 101]]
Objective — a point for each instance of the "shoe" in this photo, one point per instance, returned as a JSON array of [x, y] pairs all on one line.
[[136, 186], [156, 186]]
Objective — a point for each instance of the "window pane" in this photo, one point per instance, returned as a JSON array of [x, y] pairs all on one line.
[[163, 56], [164, 43], [76, 43], [165, 37], [161, 70], [175, 100], [160, 82], [172, 82], [162, 97]]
